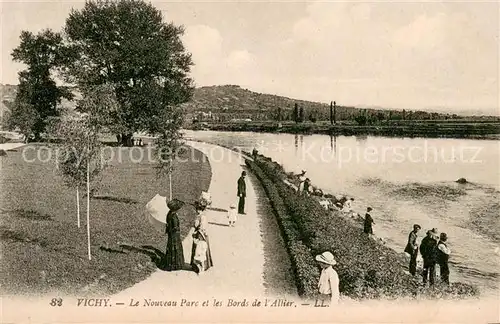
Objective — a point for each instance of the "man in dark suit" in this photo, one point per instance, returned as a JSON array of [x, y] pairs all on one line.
[[428, 248], [242, 193]]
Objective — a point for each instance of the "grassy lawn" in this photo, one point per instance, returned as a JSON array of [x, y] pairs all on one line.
[[44, 251]]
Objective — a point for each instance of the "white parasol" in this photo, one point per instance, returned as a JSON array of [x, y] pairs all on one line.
[[156, 212]]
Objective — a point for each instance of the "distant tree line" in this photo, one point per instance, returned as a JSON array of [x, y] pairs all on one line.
[[299, 113]]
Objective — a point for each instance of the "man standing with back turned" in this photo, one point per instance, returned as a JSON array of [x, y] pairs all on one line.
[[242, 193], [428, 248]]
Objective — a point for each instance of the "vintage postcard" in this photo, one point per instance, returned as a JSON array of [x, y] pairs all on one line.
[[249, 161]]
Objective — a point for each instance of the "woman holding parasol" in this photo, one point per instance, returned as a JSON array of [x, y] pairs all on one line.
[[174, 256]]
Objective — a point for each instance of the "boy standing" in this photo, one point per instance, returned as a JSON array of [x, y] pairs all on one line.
[[200, 254], [328, 284]]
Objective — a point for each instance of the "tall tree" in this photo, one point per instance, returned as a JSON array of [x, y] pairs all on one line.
[[38, 95], [334, 112], [296, 112], [331, 112], [126, 43], [279, 116], [82, 162], [301, 114]]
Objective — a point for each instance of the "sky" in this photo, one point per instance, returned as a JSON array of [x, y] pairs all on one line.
[[415, 55]]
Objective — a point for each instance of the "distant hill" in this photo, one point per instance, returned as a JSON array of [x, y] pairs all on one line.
[[232, 101], [236, 102]]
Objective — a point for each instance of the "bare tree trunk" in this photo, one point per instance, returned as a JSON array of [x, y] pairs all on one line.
[[88, 209]]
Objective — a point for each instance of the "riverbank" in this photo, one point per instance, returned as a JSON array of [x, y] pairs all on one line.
[[367, 268], [43, 250], [370, 269], [427, 129]]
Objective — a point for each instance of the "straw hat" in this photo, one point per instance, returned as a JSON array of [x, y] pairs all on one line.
[[232, 206], [326, 257], [175, 204]]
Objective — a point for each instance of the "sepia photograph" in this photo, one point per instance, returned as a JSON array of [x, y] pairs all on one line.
[[249, 161]]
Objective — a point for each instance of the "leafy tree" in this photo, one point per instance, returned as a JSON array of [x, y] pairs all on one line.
[[279, 116], [82, 161], [126, 43], [301, 114], [38, 95], [23, 116], [361, 119], [331, 113], [296, 113]]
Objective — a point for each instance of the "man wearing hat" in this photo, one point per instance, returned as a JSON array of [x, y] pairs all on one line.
[[428, 252], [412, 248], [443, 254], [328, 284], [242, 193]]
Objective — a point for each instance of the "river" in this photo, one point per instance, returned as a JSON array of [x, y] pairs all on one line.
[[405, 181]]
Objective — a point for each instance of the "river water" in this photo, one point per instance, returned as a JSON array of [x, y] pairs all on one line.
[[405, 181]]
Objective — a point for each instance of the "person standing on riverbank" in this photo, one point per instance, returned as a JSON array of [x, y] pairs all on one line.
[[307, 187], [328, 284], [302, 182], [174, 255], [412, 249], [428, 251], [242, 193], [367, 228], [443, 254]]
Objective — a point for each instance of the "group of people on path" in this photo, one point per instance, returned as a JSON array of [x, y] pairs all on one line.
[[201, 255], [434, 251]]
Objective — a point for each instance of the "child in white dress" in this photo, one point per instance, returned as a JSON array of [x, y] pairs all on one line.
[[231, 215], [200, 255]]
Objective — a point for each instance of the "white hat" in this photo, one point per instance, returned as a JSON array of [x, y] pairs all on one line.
[[326, 257], [232, 206]]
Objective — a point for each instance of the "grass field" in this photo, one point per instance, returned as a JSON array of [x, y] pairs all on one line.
[[44, 251]]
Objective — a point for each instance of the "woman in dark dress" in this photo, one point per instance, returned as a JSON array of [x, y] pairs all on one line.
[[367, 228], [174, 256]]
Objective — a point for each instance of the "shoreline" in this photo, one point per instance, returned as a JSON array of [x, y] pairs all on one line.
[[464, 130], [356, 224]]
